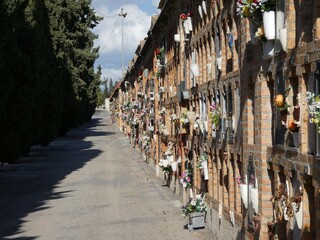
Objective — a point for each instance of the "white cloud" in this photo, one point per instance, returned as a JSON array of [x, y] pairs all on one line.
[[113, 73], [135, 27]]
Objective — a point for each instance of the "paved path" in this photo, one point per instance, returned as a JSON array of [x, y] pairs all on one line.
[[88, 185]]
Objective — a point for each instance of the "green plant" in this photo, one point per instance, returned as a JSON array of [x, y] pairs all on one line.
[[215, 115], [254, 9], [201, 159], [197, 204], [314, 109], [280, 101]]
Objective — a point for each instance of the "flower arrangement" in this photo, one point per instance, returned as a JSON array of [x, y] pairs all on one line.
[[124, 116], [162, 111], [159, 52], [196, 125], [184, 120], [146, 142], [253, 9], [215, 115], [135, 104], [151, 115], [135, 122], [260, 34], [158, 74], [292, 125], [313, 102], [201, 159], [173, 117], [238, 180], [142, 114], [186, 179], [197, 204], [165, 165], [140, 95], [280, 101], [162, 89], [164, 130]]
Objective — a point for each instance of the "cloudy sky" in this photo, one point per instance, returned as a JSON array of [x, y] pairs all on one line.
[[135, 27]]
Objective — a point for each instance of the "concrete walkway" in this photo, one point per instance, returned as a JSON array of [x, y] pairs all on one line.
[[90, 184]]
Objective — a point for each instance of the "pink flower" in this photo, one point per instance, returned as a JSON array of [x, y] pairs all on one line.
[[213, 106], [188, 179]]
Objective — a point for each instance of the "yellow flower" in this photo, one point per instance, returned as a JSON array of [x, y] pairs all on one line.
[[260, 32], [246, 11]]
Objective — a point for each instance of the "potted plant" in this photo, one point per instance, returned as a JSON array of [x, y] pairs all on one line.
[[313, 102], [280, 101], [215, 117], [195, 210], [159, 53], [184, 120], [165, 165]]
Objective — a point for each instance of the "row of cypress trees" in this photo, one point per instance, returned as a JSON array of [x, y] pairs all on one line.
[[47, 79]]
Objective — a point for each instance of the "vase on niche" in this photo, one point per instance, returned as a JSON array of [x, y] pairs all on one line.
[[269, 25], [244, 194], [177, 37]]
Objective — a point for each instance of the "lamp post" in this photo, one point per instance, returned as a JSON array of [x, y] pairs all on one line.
[[123, 15]]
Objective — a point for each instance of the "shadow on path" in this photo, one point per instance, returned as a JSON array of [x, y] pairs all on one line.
[[28, 184]]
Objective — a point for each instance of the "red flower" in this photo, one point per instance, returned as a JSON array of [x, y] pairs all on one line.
[[157, 51], [140, 73], [183, 16]]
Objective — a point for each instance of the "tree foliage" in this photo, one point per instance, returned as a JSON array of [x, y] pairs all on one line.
[[48, 83]]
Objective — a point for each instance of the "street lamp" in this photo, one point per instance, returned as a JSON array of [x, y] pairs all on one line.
[[123, 15]]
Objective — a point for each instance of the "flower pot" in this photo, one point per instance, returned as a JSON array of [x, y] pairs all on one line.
[[254, 198], [214, 133], [244, 194], [268, 49], [174, 166], [204, 7], [196, 220], [269, 25], [186, 27], [202, 127], [219, 63], [298, 216], [195, 69], [204, 165], [209, 69], [200, 11], [283, 38], [177, 37], [189, 20]]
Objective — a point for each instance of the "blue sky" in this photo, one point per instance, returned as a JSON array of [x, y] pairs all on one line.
[[136, 25]]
